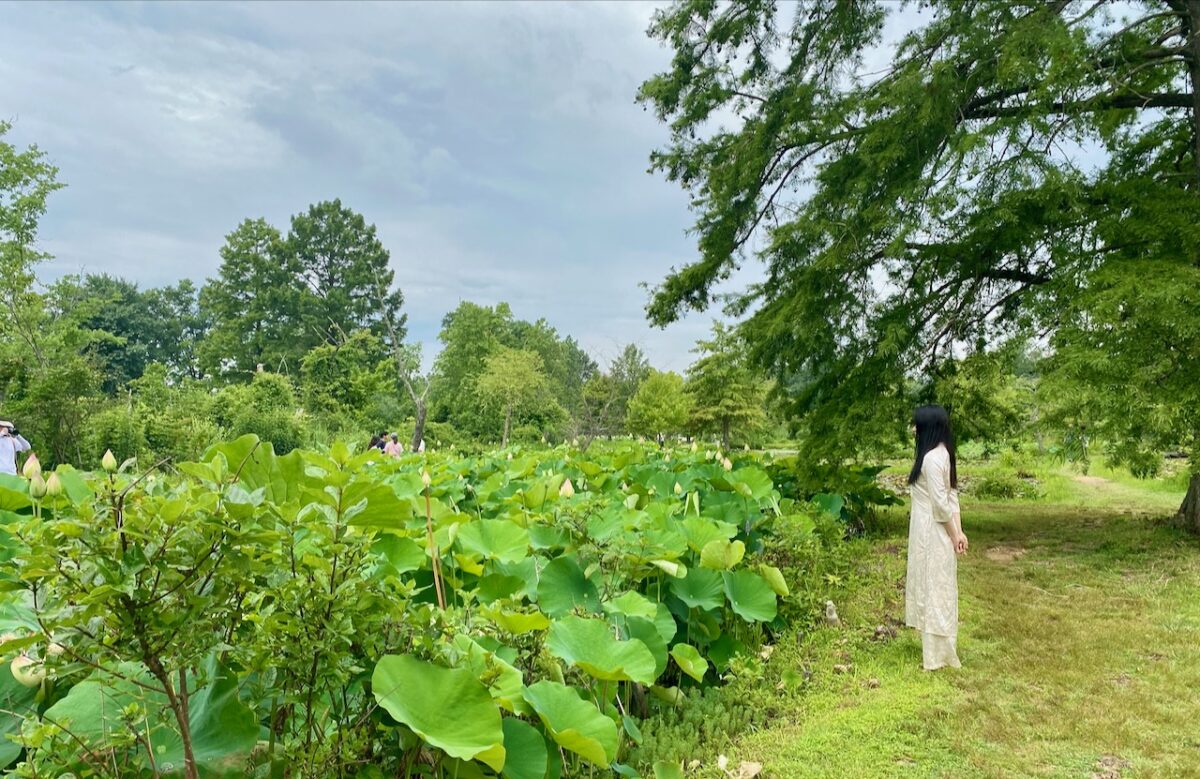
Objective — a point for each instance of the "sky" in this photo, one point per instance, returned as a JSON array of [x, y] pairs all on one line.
[[497, 147]]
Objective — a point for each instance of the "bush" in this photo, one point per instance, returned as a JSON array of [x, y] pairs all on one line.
[[999, 485], [115, 428]]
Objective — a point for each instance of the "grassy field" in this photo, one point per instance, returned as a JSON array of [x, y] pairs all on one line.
[[1080, 642]]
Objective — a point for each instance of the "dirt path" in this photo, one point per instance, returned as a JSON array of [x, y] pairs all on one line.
[[1080, 640]]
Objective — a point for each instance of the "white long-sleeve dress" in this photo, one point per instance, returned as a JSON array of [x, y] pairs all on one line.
[[931, 586]]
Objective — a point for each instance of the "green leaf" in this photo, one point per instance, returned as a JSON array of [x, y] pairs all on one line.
[[750, 596], [774, 578], [751, 483], [700, 531], [721, 554], [666, 770], [563, 587], [701, 588], [517, 622], [573, 723], [447, 707], [495, 539], [503, 682], [649, 634], [401, 554], [689, 660], [589, 644], [672, 569], [632, 604], [525, 751], [829, 503], [16, 702]]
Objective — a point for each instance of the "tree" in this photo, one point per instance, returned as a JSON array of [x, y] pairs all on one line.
[[660, 407], [628, 370], [514, 381], [470, 334], [343, 381], [342, 270], [597, 413], [1016, 167], [727, 393], [253, 306]]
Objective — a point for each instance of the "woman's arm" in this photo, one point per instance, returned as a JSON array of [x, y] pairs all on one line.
[[20, 444], [944, 499]]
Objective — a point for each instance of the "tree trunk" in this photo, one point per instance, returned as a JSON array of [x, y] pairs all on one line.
[[507, 419], [1189, 510], [1190, 22], [725, 434], [419, 426]]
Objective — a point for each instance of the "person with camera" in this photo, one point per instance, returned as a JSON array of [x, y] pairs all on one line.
[[11, 442]]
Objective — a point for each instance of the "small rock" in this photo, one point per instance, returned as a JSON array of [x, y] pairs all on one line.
[[831, 615], [872, 683], [884, 632], [842, 668], [748, 770]]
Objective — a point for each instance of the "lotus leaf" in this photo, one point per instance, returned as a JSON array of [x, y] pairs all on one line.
[[447, 707], [575, 724], [590, 645]]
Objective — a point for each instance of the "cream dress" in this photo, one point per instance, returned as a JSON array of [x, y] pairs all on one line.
[[931, 587]]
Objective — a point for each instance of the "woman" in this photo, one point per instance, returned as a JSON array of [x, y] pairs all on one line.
[[393, 448], [11, 442], [934, 538]]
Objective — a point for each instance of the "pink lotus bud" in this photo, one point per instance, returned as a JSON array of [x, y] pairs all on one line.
[[32, 467]]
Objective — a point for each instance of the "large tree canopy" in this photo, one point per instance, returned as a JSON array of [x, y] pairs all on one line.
[[1005, 166]]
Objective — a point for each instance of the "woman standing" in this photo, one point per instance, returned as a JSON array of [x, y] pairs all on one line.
[[935, 537], [11, 442]]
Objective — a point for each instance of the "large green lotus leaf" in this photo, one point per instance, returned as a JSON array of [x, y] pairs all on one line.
[[223, 729], [751, 483], [701, 588], [526, 756], [495, 539], [517, 622], [726, 507], [495, 586], [722, 554], [503, 682], [548, 537], [14, 493], [689, 661], [665, 623], [563, 588], [374, 504], [16, 702], [525, 570], [670, 568], [750, 596], [723, 650], [590, 645], [613, 522], [575, 724], [447, 707], [648, 633], [631, 604], [401, 554], [700, 531], [829, 503]]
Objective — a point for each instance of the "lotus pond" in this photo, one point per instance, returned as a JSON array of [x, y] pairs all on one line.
[[329, 614]]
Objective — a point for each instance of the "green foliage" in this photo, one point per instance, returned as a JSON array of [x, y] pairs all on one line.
[[1010, 169], [514, 385], [180, 615], [660, 407], [727, 393]]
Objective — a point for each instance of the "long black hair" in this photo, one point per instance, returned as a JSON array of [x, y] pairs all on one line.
[[933, 428]]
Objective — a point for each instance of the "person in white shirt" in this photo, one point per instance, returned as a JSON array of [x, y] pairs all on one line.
[[11, 442]]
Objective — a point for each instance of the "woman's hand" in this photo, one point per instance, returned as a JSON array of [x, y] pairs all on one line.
[[960, 543]]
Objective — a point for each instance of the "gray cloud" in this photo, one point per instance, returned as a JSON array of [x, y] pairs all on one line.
[[496, 146]]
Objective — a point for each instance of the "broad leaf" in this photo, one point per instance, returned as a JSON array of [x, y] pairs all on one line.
[[589, 644], [575, 724]]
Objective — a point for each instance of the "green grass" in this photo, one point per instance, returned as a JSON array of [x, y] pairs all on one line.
[[1080, 642]]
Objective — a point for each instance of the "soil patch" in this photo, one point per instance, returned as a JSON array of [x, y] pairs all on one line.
[[1004, 554]]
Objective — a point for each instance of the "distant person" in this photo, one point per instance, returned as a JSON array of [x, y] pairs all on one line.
[[11, 442], [383, 439], [374, 442], [393, 448], [935, 537]]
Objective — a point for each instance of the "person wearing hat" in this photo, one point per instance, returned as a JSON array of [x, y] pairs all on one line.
[[11, 442]]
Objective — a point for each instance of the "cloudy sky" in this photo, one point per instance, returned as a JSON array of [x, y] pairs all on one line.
[[496, 146]]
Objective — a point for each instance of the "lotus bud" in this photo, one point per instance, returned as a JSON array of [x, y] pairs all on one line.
[[678, 488], [426, 479], [567, 489], [55, 649], [27, 671], [32, 467], [722, 762], [745, 447], [54, 486], [694, 447], [574, 442], [109, 461], [37, 486], [510, 455], [727, 464]]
